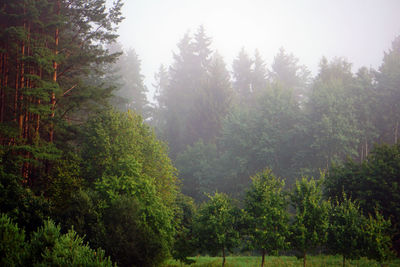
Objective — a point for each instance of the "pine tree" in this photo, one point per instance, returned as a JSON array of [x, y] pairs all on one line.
[[388, 78], [260, 74], [212, 103], [181, 99], [47, 49], [242, 76], [132, 89]]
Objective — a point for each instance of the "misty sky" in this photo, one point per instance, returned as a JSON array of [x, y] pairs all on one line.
[[359, 30]]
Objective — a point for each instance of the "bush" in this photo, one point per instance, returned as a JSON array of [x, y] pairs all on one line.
[[12, 242], [48, 247]]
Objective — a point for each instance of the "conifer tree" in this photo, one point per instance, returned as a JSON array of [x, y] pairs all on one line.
[[260, 74], [242, 76], [47, 49], [388, 78]]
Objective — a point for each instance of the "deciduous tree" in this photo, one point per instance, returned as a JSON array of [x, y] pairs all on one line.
[[310, 223], [268, 218], [215, 225]]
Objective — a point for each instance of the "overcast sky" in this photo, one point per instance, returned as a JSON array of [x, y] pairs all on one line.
[[359, 30]]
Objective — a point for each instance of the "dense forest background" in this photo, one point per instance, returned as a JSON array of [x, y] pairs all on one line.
[[224, 127], [84, 147]]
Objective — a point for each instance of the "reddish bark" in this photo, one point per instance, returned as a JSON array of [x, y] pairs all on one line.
[[55, 66]]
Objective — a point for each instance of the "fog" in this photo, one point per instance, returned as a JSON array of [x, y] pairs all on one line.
[[272, 125], [358, 30]]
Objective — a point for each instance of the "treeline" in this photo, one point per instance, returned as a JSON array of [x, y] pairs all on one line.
[[223, 127]]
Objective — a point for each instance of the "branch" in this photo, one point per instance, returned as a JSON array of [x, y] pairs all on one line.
[[66, 92]]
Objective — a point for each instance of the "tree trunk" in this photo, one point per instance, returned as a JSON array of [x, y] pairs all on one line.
[[21, 86], [263, 258], [55, 66], [2, 102], [22, 82], [344, 261], [304, 259], [16, 88], [396, 132], [3, 84], [37, 134], [223, 256]]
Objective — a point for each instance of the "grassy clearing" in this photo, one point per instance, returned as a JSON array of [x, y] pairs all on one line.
[[282, 261]]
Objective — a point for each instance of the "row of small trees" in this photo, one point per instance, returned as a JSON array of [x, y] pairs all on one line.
[[265, 223]]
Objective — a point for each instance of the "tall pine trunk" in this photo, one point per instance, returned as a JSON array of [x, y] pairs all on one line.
[[3, 84], [17, 66], [55, 66], [21, 87], [2, 102]]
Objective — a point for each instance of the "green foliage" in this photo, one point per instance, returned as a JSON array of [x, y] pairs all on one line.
[[198, 169], [346, 232], [212, 102], [117, 144], [12, 243], [242, 73], [18, 201], [388, 78], [378, 240], [49, 247], [288, 73], [81, 211], [216, 225], [268, 219], [194, 96], [131, 93], [374, 183], [184, 241], [137, 232], [135, 188], [126, 201], [310, 222], [50, 48], [65, 180], [331, 111], [268, 133]]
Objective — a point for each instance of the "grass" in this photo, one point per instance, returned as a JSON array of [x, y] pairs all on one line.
[[282, 261]]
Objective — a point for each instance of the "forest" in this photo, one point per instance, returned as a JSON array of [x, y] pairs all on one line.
[[227, 158]]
